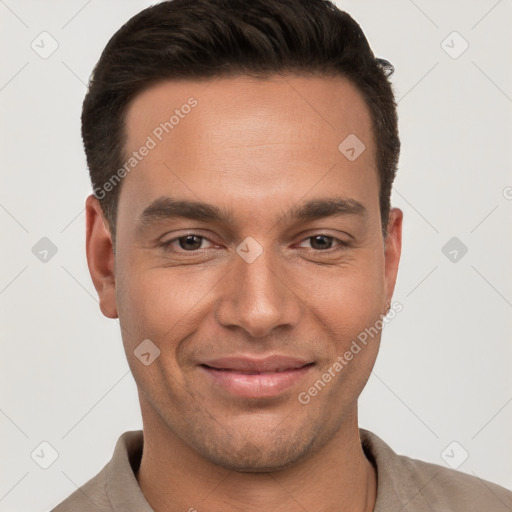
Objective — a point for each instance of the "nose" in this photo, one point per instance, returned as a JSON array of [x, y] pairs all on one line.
[[259, 296]]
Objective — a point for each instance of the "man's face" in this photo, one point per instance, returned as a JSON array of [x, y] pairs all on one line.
[[261, 280]]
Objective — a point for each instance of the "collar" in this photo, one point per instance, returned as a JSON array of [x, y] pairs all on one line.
[[397, 489]]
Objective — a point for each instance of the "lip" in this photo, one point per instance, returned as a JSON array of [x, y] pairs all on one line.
[[248, 377]]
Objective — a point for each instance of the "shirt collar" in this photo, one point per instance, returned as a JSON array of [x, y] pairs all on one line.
[[122, 487], [397, 491]]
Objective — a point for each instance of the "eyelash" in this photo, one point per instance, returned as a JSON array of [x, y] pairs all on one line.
[[340, 246]]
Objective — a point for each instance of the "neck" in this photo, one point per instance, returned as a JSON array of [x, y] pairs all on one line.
[[337, 478]]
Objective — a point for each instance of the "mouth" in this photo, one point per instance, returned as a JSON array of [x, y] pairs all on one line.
[[250, 378]]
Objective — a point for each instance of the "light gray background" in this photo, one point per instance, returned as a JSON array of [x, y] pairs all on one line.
[[443, 373]]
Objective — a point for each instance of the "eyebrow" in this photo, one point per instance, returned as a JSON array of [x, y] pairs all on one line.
[[165, 208]]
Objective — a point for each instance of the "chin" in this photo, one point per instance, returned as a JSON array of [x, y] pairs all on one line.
[[253, 450], [251, 458]]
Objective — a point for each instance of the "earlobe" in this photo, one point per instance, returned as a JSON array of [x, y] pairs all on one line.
[[393, 249], [100, 256]]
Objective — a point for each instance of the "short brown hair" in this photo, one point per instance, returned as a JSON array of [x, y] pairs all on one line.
[[201, 39]]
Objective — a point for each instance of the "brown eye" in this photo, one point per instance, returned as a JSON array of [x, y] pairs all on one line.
[[183, 244], [190, 242], [321, 242], [324, 243]]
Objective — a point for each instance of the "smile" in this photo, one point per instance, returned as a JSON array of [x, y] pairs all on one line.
[[255, 384]]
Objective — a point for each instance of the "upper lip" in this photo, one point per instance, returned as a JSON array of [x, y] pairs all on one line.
[[273, 363]]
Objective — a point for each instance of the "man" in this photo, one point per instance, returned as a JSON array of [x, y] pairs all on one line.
[[242, 156]]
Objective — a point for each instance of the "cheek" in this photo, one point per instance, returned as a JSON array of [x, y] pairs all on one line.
[[162, 304], [350, 315], [348, 298], [156, 305]]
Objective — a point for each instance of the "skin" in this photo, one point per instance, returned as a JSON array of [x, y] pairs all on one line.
[[255, 148]]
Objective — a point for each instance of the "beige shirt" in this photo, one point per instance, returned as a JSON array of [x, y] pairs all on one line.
[[403, 484]]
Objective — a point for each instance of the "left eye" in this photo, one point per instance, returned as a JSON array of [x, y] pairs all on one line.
[[323, 242]]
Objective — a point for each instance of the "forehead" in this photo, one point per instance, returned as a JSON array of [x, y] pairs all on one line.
[[253, 139], [318, 107]]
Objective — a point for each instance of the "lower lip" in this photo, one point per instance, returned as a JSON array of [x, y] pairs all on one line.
[[261, 385]]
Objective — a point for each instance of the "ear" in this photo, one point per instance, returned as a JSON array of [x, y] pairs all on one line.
[[100, 256], [392, 250]]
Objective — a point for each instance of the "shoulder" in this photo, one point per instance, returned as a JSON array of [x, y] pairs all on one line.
[[417, 485], [115, 487], [90, 497], [451, 490]]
